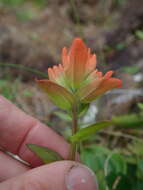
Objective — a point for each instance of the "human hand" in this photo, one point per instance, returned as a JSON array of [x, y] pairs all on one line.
[[18, 129]]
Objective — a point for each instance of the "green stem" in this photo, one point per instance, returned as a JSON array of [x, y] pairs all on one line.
[[74, 120], [73, 148]]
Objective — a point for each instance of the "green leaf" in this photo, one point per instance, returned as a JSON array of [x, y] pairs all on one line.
[[94, 154], [44, 153], [59, 95], [140, 106], [140, 169], [128, 121], [83, 134], [118, 181], [131, 69], [117, 164], [94, 157], [116, 170]]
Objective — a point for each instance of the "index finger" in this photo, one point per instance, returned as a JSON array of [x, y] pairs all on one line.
[[18, 129]]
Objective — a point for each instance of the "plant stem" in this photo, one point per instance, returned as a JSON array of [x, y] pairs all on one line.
[[74, 120], [25, 68], [73, 149]]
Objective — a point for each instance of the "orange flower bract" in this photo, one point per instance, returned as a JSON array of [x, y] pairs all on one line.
[[78, 76]]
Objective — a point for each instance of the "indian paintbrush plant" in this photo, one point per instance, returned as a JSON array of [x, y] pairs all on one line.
[[72, 86]]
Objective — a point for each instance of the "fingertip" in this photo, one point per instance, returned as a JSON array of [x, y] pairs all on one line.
[[58, 175]]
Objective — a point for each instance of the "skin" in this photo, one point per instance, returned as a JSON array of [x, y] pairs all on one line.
[[18, 129]]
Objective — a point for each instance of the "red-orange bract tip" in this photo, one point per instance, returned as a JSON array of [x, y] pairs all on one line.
[[78, 40]]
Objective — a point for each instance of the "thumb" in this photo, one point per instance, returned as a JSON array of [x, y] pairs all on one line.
[[62, 175]]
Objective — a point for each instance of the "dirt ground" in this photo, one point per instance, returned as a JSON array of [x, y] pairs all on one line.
[[108, 27]]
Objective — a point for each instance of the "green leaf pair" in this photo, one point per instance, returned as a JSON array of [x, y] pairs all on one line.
[[47, 155]]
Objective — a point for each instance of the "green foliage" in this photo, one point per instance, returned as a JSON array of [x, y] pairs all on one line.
[[115, 162], [136, 148], [45, 154], [113, 170], [139, 34], [11, 2], [95, 154], [131, 69], [128, 121], [8, 90], [140, 106]]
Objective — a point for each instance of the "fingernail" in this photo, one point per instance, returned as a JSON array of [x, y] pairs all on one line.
[[81, 178]]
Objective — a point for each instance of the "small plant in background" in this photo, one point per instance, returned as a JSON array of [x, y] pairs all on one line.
[[139, 34], [72, 86]]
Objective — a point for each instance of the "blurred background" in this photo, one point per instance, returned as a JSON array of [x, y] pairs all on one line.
[[32, 35]]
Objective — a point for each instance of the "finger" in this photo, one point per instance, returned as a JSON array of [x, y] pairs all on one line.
[[18, 129], [10, 167], [59, 175]]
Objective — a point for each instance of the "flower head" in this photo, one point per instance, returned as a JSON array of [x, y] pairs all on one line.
[[77, 77]]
